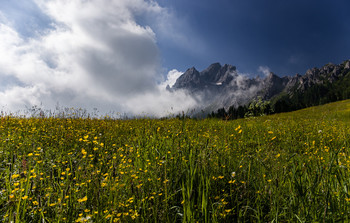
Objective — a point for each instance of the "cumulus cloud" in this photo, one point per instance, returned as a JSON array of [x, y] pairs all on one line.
[[94, 55]]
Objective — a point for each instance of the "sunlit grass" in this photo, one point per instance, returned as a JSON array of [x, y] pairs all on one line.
[[291, 167]]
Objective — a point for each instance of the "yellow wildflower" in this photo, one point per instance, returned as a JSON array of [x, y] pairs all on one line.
[[14, 176], [83, 199]]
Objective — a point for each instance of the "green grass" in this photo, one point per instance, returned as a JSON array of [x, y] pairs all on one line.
[[291, 167]]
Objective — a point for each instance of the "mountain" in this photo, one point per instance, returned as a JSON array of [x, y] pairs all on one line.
[[317, 86], [223, 87], [218, 86]]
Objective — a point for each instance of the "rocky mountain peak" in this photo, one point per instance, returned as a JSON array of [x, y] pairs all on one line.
[[229, 67], [212, 77], [188, 79], [271, 77], [213, 68], [192, 70]]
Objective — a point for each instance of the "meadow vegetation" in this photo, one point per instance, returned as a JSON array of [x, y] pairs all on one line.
[[291, 167]]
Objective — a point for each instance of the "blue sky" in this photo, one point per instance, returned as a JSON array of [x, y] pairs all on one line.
[[287, 36], [119, 55]]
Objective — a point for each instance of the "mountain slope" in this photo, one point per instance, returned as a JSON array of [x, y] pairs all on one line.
[[318, 86], [223, 87]]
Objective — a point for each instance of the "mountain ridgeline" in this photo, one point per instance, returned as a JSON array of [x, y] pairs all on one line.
[[222, 92]]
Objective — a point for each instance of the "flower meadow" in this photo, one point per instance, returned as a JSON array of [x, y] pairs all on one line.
[[291, 167]]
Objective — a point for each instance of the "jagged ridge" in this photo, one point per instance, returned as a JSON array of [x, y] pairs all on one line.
[[222, 86]]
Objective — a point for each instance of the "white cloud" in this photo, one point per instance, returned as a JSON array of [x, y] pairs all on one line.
[[161, 103], [95, 55], [171, 78], [265, 70]]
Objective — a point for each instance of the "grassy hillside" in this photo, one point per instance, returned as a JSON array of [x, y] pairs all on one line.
[[289, 167]]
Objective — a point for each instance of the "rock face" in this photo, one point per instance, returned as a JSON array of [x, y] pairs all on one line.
[[214, 75], [221, 86]]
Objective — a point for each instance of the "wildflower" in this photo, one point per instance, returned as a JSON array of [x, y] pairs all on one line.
[[25, 197], [14, 176], [83, 199], [30, 154]]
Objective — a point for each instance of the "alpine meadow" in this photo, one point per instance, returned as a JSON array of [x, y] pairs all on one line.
[[288, 167], [123, 111]]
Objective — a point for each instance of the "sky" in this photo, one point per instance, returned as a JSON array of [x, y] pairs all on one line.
[[119, 55]]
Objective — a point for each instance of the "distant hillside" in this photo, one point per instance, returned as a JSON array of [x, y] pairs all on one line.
[[318, 86]]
